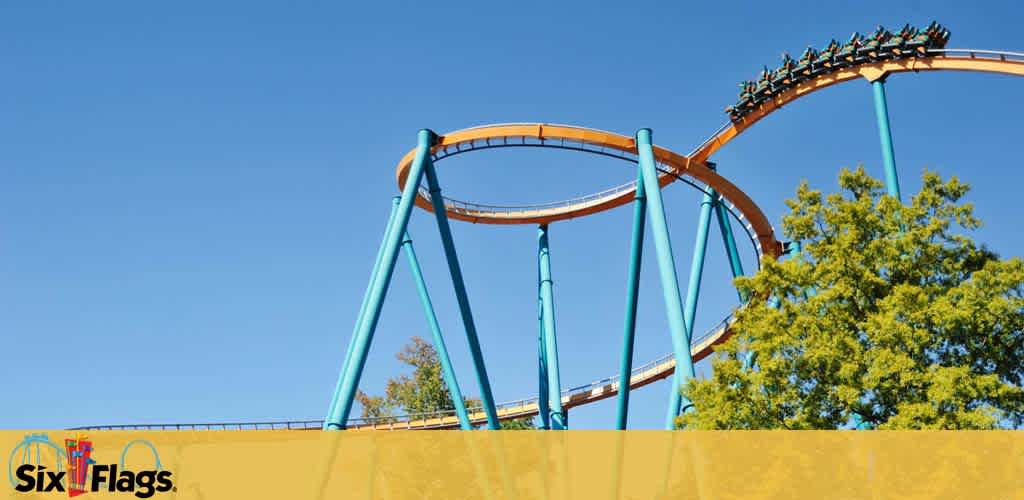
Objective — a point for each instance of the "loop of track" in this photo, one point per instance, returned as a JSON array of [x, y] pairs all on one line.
[[542, 135], [608, 144]]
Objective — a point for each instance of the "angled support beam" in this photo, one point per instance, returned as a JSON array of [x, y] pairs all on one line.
[[440, 212], [666, 263], [557, 417], [636, 252], [707, 206], [366, 295], [345, 392], [795, 251], [725, 227], [447, 371], [892, 182], [748, 361]]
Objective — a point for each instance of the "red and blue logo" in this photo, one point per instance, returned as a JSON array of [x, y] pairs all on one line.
[[72, 469]]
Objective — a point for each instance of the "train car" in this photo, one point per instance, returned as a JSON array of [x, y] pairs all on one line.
[[881, 45]]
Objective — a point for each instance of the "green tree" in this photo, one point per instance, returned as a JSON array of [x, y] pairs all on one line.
[[424, 391], [892, 315]]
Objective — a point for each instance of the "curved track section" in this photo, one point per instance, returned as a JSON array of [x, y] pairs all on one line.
[[984, 61], [598, 142], [618, 146]]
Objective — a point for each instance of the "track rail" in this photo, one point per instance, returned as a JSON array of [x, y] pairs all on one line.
[[598, 142], [550, 135], [984, 61], [607, 144], [652, 371]]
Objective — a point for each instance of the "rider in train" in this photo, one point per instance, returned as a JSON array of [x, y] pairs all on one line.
[[868, 51], [898, 43], [848, 52], [783, 75], [826, 57], [805, 66], [764, 85]]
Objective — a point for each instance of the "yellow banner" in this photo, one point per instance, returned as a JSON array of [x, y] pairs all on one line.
[[513, 464]]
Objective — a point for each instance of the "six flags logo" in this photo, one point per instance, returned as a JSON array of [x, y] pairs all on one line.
[[80, 478]]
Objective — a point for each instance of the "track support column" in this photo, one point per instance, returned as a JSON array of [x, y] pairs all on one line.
[[700, 246], [542, 363], [341, 402], [460, 293], [366, 295], [447, 371], [557, 417], [892, 182], [636, 252], [725, 227], [666, 262]]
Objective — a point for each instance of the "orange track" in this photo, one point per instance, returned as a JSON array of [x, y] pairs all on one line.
[[692, 166]]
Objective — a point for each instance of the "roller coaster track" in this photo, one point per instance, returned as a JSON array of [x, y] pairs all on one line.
[[692, 165], [984, 61], [674, 167], [652, 371]]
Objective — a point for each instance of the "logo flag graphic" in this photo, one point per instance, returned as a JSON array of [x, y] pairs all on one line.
[[79, 458]]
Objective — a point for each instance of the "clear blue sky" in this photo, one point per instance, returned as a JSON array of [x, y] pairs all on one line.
[[191, 193]]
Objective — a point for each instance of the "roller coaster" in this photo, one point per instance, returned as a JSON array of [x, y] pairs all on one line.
[[871, 58]]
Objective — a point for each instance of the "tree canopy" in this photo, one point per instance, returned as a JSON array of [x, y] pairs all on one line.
[[891, 316], [424, 391]]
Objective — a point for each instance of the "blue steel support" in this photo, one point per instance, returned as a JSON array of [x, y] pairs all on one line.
[[447, 371], [636, 252], [795, 251], [666, 262], [725, 227], [341, 402], [486, 398], [749, 360], [892, 182], [542, 363], [547, 300], [700, 246], [366, 295]]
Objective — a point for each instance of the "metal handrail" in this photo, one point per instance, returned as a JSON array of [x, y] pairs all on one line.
[[423, 418], [972, 52]]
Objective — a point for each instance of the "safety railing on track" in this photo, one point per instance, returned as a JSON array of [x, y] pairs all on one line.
[[473, 209], [995, 55], [431, 420], [998, 55], [527, 404]]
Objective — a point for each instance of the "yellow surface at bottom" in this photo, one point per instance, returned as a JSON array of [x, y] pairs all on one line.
[[574, 464]]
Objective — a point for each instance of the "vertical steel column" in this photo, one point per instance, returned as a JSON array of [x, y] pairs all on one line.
[[892, 182], [749, 360], [447, 371], [341, 402], [666, 262], [636, 253], [707, 205], [547, 300], [542, 364], [795, 251], [366, 295], [440, 212], [725, 227]]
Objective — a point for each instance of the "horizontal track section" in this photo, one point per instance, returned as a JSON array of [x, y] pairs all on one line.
[[607, 387]]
